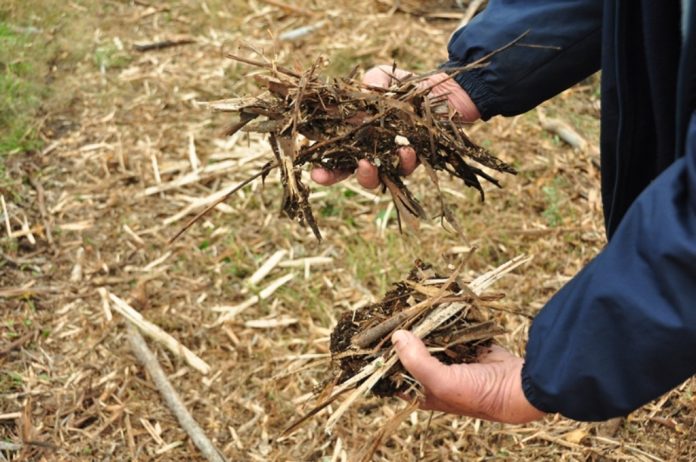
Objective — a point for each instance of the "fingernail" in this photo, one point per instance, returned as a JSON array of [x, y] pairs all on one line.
[[399, 339]]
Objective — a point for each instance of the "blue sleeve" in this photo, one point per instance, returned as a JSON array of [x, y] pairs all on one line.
[[623, 331], [563, 46]]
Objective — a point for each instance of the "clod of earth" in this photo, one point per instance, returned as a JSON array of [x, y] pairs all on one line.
[[362, 335], [335, 123]]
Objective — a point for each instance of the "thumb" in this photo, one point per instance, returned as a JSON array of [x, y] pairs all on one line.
[[415, 357], [442, 84], [381, 76]]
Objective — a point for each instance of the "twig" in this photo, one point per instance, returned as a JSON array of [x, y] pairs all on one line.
[[307, 261], [371, 335], [155, 332], [205, 173], [266, 268], [14, 292], [230, 312], [162, 44], [470, 12], [197, 204], [171, 398], [8, 226], [387, 430], [253, 62], [300, 32], [41, 201], [564, 131], [262, 172], [16, 343]]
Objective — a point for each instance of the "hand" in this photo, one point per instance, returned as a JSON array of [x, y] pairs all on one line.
[[490, 389], [381, 77]]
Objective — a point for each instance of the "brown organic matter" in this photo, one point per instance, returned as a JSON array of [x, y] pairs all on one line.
[[457, 341], [335, 123]]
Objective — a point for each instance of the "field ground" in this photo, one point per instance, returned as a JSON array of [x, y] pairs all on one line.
[[104, 155]]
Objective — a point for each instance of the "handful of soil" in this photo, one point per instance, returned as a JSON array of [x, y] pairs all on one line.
[[362, 335], [333, 124]]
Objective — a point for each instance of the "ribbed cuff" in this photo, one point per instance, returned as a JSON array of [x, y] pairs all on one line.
[[472, 82], [534, 395]]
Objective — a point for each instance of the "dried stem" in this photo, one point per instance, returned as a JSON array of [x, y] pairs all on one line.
[[171, 397]]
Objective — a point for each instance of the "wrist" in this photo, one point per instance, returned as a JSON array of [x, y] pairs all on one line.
[[521, 410]]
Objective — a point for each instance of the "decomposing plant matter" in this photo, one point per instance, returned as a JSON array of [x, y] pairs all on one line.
[[449, 315], [362, 334], [333, 124]]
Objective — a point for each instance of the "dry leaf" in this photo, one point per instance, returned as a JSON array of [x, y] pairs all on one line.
[[575, 436]]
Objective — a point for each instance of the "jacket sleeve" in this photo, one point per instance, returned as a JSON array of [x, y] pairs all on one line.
[[562, 47], [623, 331]]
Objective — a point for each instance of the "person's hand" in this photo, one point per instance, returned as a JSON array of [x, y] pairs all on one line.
[[490, 389], [381, 77]]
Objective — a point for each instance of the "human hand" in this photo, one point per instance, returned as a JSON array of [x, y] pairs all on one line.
[[490, 389], [381, 77]]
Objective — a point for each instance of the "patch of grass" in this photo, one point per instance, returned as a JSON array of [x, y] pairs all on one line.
[[37, 37], [378, 262], [554, 195], [20, 92], [552, 212]]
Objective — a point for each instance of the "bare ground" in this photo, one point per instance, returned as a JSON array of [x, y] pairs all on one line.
[[127, 156]]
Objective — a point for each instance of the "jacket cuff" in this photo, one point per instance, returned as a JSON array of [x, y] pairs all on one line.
[[472, 82], [534, 395]]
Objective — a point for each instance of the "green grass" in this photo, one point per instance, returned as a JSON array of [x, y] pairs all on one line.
[[21, 91], [557, 212], [36, 37]]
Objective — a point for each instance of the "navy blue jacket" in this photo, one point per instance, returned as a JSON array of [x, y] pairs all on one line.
[[622, 331]]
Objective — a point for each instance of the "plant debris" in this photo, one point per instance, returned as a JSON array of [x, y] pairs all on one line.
[[333, 124], [361, 335], [116, 174], [450, 316]]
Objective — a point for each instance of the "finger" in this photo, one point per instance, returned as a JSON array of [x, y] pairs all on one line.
[[379, 76], [367, 174], [414, 356], [442, 84], [407, 160], [328, 177]]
